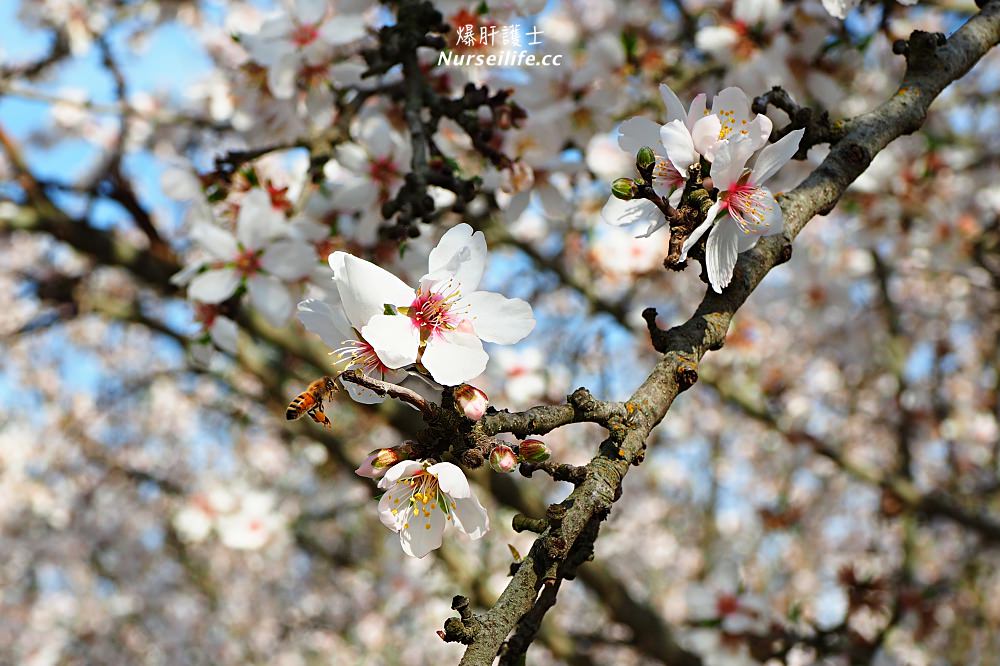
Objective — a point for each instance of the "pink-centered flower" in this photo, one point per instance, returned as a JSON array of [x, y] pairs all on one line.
[[259, 255], [748, 209], [422, 499], [443, 323]]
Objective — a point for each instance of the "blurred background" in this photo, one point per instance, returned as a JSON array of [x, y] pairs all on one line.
[[833, 479]]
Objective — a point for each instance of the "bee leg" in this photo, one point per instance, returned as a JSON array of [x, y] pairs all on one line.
[[319, 417]]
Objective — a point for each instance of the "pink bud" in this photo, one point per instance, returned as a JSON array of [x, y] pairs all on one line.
[[502, 459], [473, 401], [534, 451]]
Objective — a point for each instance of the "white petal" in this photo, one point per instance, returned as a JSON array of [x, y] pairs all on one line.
[[453, 358], [271, 298], [700, 230], [775, 156], [396, 498], [224, 334], [462, 254], [675, 110], [288, 259], [357, 193], [730, 159], [214, 286], [400, 470], [621, 213], [366, 289], [697, 110], [282, 74], [328, 322], [421, 534], [554, 204], [732, 100], [774, 220], [635, 133], [218, 242], [470, 517], [705, 136], [343, 29], [376, 136], [352, 156], [758, 131], [310, 11], [394, 338], [451, 480], [679, 145], [721, 252], [499, 319], [258, 221]]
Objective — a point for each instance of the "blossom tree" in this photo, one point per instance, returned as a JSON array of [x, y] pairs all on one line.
[[219, 217]]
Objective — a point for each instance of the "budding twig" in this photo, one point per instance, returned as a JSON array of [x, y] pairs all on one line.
[[385, 389]]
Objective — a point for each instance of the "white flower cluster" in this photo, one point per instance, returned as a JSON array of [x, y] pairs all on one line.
[[726, 136]]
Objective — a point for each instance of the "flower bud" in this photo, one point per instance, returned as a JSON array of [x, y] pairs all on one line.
[[645, 159], [472, 401], [379, 460], [534, 451], [624, 188], [502, 459]]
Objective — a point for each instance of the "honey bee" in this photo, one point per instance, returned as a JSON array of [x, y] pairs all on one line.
[[310, 401]]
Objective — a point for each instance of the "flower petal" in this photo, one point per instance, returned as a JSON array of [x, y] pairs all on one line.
[[721, 252], [394, 338], [496, 318], [270, 296], [677, 141], [705, 135], [375, 134], [288, 259], [327, 321], [775, 156], [730, 158], [366, 289], [451, 480], [697, 111], [675, 110], [635, 133], [700, 230], [453, 357], [401, 470], [423, 532], [460, 253], [622, 213], [395, 499], [218, 242], [257, 221], [470, 517], [224, 334], [214, 286], [343, 29]]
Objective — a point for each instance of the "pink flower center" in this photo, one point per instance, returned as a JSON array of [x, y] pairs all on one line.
[[665, 171], [748, 206], [360, 354], [727, 604], [248, 262], [304, 35], [383, 172], [434, 311]]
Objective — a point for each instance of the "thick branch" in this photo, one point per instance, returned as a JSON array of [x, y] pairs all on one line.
[[930, 69]]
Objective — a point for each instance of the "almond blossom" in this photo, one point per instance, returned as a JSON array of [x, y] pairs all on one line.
[[290, 42], [423, 498], [752, 209], [701, 133], [442, 324], [368, 172], [257, 256]]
